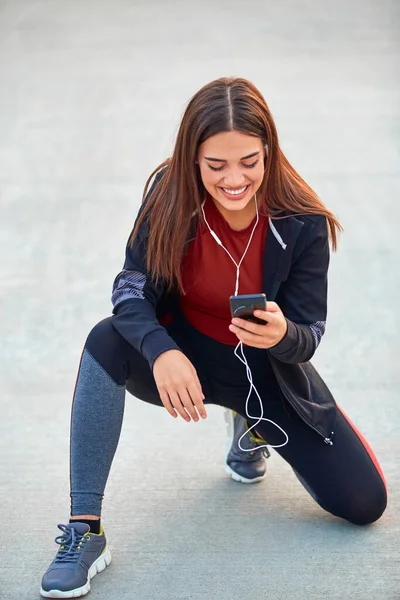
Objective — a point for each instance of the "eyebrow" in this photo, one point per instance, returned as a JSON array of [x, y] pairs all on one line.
[[224, 160]]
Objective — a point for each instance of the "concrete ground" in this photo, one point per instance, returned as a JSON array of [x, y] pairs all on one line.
[[91, 94]]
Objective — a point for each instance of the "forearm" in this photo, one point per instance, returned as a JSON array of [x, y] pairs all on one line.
[[138, 325]]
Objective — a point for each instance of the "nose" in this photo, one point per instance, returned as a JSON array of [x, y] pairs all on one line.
[[234, 179]]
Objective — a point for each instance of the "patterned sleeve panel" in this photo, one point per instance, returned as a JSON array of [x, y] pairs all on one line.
[[318, 330], [128, 284]]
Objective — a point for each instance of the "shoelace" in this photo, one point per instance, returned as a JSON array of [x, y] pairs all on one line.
[[70, 543], [257, 441]]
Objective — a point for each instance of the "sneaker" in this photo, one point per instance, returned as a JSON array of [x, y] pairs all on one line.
[[80, 557], [246, 467]]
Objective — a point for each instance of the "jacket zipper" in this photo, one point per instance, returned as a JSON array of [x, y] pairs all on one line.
[[327, 440], [293, 403]]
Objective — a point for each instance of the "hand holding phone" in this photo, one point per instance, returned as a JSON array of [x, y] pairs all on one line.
[[244, 306], [247, 330]]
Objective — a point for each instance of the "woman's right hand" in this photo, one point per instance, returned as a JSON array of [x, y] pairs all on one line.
[[178, 385]]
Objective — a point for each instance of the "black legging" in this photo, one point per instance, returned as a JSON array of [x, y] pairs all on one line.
[[345, 479]]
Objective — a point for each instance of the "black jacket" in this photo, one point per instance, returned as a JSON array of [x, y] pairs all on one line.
[[295, 270]]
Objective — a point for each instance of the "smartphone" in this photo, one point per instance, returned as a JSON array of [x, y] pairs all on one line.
[[244, 306]]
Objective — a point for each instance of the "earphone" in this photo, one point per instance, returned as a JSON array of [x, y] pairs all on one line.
[[242, 358], [216, 238]]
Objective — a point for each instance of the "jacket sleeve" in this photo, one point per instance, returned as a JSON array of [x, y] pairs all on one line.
[[303, 297], [135, 298]]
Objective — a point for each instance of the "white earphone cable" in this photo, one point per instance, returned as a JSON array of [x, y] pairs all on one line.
[[216, 238], [242, 358], [261, 417]]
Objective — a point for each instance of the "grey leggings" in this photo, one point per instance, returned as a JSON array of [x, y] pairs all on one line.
[[345, 479]]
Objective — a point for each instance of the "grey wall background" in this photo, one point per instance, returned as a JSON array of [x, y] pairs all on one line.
[[91, 94]]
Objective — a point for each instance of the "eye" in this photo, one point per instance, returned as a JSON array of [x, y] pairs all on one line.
[[215, 168], [252, 165]]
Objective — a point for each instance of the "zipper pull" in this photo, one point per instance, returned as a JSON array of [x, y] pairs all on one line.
[[328, 440]]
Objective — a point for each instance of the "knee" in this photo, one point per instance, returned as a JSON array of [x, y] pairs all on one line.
[[108, 348], [103, 333], [367, 508]]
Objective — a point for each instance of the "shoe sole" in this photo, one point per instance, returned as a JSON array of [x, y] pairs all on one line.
[[97, 567], [242, 479], [235, 476]]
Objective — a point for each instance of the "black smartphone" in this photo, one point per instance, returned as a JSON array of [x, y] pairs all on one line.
[[244, 306]]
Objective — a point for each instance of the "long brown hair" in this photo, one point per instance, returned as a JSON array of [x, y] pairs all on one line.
[[226, 104]]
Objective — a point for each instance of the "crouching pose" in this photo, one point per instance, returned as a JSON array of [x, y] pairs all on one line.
[[226, 215]]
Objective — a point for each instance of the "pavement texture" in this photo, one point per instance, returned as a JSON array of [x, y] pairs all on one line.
[[91, 94]]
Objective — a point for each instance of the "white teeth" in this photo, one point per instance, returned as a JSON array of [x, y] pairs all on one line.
[[235, 192]]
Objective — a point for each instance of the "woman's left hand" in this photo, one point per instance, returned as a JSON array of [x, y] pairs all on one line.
[[261, 336]]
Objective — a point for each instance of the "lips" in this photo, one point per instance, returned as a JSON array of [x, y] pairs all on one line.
[[235, 193]]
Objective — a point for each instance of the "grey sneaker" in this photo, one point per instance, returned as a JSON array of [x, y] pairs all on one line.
[[80, 557], [246, 467]]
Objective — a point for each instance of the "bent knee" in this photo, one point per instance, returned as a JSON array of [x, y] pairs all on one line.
[[102, 333], [369, 508], [108, 348]]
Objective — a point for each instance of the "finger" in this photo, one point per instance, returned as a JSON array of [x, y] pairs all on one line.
[[198, 384], [197, 399], [188, 403], [249, 339], [263, 315], [252, 339], [167, 403], [244, 336], [273, 307], [268, 316], [177, 404], [249, 326]]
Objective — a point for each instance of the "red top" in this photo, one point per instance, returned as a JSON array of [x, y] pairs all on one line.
[[209, 275]]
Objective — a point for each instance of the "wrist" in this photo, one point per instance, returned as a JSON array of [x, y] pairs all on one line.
[[283, 336], [284, 331]]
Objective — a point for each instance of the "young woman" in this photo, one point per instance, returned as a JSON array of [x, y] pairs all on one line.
[[226, 214]]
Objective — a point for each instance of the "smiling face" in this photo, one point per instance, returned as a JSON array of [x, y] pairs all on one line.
[[232, 169]]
